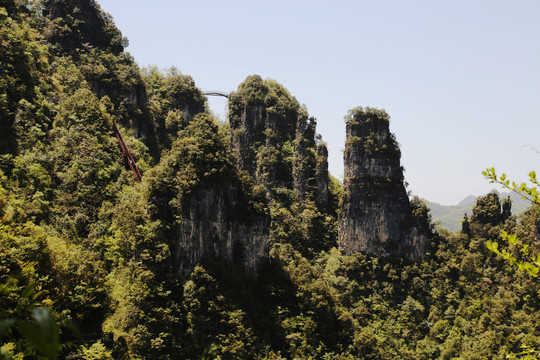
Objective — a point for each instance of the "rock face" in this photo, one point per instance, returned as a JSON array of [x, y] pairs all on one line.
[[276, 147], [376, 216], [322, 197], [306, 159], [273, 139], [209, 210], [248, 132], [214, 224]]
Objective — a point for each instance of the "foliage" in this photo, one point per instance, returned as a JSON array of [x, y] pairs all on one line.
[[517, 253], [517, 248], [100, 249], [173, 100], [367, 112], [97, 351], [22, 336], [526, 191], [23, 63]]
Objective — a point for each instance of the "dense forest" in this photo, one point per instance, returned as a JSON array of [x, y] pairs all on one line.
[[228, 248]]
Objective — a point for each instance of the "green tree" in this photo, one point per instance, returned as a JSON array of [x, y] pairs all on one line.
[[21, 334], [517, 252]]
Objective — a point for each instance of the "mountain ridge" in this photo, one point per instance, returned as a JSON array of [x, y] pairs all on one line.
[[449, 217]]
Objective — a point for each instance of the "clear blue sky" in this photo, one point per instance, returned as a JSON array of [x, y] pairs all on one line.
[[460, 79]]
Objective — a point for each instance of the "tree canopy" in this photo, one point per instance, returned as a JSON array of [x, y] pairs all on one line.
[[87, 254]]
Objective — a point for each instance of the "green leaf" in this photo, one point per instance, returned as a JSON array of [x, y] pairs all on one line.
[[6, 324], [42, 335], [28, 290]]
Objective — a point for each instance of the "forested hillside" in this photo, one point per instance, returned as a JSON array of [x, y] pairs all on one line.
[[450, 217], [228, 247]]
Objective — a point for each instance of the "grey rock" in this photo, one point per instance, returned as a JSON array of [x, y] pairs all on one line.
[[215, 224], [376, 216]]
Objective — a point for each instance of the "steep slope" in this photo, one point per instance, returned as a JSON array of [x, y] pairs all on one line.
[[79, 30], [198, 192], [376, 216], [274, 141], [273, 137], [81, 24]]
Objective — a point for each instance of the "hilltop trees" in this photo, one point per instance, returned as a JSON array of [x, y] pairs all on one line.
[[523, 253], [101, 251]]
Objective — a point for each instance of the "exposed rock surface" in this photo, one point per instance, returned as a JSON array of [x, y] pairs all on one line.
[[322, 197], [376, 216], [214, 224], [275, 144], [209, 211], [273, 139], [305, 159]]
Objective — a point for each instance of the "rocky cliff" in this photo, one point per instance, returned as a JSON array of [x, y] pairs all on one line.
[[376, 216], [322, 197], [273, 139], [208, 210], [214, 223]]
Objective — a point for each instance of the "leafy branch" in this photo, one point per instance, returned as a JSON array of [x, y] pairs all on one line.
[[518, 250], [36, 337], [531, 267], [526, 192]]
